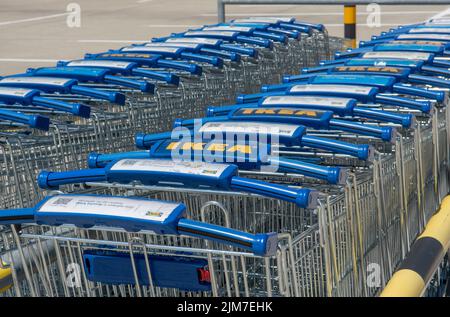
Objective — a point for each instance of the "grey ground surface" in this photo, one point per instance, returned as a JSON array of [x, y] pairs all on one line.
[[35, 33]]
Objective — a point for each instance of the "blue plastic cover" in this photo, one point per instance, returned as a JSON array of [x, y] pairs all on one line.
[[361, 93], [401, 73], [318, 119], [79, 73], [115, 268], [142, 59], [159, 171], [131, 214], [47, 84], [381, 82]]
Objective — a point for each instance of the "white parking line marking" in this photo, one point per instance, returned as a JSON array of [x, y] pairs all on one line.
[[112, 41], [46, 17], [316, 13], [28, 60]]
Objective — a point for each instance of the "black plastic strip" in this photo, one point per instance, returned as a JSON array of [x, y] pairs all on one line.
[[424, 256]]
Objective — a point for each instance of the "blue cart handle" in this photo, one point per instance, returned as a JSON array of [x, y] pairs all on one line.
[[271, 36], [31, 97], [263, 244], [435, 71], [334, 175], [426, 80], [254, 98], [276, 88], [111, 96], [255, 41], [424, 106], [297, 27], [146, 141], [52, 180], [293, 34], [183, 66], [232, 56], [300, 78], [213, 60], [73, 108], [335, 62], [317, 69], [216, 111], [418, 91], [96, 160], [405, 120], [384, 133], [142, 86], [34, 121], [361, 151], [441, 63], [246, 51], [316, 26], [372, 42], [166, 77], [304, 198]]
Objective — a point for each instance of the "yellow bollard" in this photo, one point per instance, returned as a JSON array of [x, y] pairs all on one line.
[[350, 26], [422, 261]]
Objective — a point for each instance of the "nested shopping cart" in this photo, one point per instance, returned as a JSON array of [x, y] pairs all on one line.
[[305, 263]]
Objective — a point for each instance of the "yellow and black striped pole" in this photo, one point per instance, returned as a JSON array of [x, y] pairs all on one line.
[[350, 25], [424, 257]]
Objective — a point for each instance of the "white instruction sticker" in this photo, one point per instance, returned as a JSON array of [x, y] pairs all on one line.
[[228, 28], [210, 33], [282, 19], [179, 45], [150, 49], [196, 40], [100, 63], [430, 30], [443, 37], [249, 128], [307, 100], [440, 21], [256, 20], [398, 54], [332, 88], [110, 206], [14, 92], [36, 80], [169, 166]]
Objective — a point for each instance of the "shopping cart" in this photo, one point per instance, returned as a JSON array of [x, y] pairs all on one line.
[[306, 96], [44, 133], [337, 198], [115, 250], [108, 118]]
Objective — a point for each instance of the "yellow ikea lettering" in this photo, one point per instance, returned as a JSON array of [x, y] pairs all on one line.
[[240, 148]]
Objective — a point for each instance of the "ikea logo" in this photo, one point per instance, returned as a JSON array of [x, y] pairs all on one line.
[[212, 147], [392, 70], [278, 111]]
